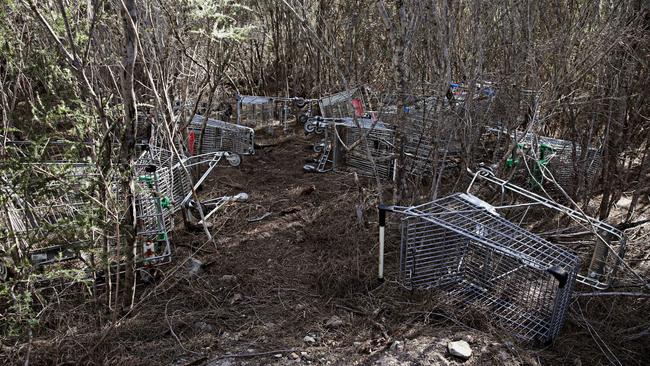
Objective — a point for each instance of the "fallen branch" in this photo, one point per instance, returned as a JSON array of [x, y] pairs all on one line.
[[254, 354], [260, 218], [603, 294]]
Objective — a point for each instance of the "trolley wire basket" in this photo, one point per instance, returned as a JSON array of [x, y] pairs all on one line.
[[600, 245], [219, 136], [260, 112], [379, 144], [348, 103], [460, 245]]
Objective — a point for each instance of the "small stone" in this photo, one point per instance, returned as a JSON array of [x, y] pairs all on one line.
[[228, 278], [194, 267], [236, 297], [396, 345], [303, 353], [460, 349], [294, 355], [203, 326], [334, 322], [278, 355], [309, 339]]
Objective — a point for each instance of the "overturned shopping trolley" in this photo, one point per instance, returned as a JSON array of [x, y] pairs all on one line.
[[177, 181], [600, 245], [460, 245], [207, 135]]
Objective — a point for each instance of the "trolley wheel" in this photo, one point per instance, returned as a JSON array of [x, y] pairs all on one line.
[[320, 130], [300, 103], [309, 127], [318, 147], [233, 159], [303, 119]]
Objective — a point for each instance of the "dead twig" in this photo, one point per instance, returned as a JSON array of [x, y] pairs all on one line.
[[260, 218], [254, 354]]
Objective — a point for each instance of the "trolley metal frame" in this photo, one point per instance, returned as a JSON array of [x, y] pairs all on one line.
[[601, 245], [460, 245]]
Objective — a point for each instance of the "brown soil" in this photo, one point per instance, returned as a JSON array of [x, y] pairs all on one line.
[[306, 260]]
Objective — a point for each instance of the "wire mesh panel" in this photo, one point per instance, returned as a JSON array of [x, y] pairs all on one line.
[[547, 162], [344, 104], [561, 158], [153, 208], [259, 112], [379, 143], [47, 203], [48, 229], [600, 246], [460, 245], [220, 136], [428, 141]]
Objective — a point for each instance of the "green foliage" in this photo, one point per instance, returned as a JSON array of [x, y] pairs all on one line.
[[217, 19]]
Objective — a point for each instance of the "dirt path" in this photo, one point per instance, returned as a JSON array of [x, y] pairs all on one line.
[[289, 280]]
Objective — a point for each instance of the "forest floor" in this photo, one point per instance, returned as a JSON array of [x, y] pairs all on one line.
[[290, 278]]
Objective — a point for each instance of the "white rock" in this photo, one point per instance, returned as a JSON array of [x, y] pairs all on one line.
[[228, 278], [203, 326], [309, 339], [278, 355], [294, 355], [396, 345], [460, 349], [194, 267], [334, 322]]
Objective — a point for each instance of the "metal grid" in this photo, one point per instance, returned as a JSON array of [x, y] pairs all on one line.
[[344, 104], [380, 139], [427, 140], [48, 230], [260, 112], [544, 161], [558, 157], [43, 220], [600, 245], [220, 136], [458, 244], [153, 208]]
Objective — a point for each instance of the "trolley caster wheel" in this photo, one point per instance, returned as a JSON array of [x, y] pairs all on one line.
[[303, 118], [309, 127], [320, 130], [234, 160], [300, 103], [319, 147]]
